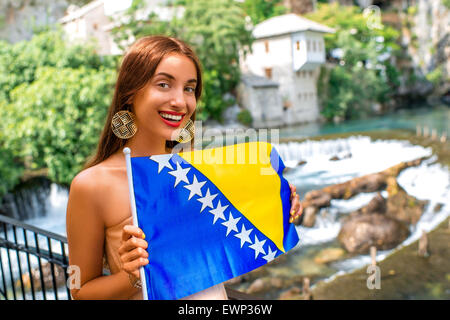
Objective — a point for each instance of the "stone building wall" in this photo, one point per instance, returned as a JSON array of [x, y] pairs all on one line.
[[17, 17]]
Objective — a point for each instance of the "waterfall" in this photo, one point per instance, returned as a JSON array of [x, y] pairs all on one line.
[[35, 198]]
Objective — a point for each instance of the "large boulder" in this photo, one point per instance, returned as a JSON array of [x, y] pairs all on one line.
[[378, 204], [317, 198], [360, 232], [402, 206]]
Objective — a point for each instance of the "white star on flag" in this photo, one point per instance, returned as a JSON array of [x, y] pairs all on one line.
[[207, 200], [244, 235], [218, 212], [231, 223], [258, 247], [270, 256], [163, 161], [195, 187], [180, 174]]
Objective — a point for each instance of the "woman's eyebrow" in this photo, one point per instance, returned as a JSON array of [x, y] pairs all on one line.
[[173, 78]]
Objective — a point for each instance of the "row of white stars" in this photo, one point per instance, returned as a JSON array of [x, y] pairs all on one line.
[[195, 187]]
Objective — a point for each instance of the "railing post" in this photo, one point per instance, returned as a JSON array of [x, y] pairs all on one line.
[[30, 273], [52, 268], [5, 230], [19, 265]]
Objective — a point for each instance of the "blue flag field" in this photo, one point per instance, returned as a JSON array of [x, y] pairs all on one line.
[[210, 215]]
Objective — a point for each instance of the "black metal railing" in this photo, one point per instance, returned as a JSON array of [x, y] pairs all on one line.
[[33, 262]]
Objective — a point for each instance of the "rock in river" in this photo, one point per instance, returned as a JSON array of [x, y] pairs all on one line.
[[360, 232]]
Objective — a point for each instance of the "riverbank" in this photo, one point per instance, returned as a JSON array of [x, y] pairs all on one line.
[[404, 274]]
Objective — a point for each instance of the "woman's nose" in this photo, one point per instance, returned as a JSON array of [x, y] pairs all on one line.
[[178, 99]]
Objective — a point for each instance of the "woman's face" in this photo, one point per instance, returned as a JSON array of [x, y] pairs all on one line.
[[167, 102]]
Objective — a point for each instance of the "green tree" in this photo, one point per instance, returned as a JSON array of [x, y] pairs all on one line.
[[57, 119], [54, 99], [260, 10], [364, 74], [215, 29], [19, 62]]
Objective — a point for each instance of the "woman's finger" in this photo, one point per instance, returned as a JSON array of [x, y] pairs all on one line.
[[295, 208], [133, 266], [295, 204], [293, 191], [131, 244], [134, 254], [300, 210], [130, 230]]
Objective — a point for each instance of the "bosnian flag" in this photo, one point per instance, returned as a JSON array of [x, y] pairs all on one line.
[[209, 215]]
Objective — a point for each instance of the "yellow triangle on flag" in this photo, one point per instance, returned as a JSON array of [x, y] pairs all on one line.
[[245, 176]]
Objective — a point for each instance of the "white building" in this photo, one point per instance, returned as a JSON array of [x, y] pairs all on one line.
[[96, 19], [288, 50]]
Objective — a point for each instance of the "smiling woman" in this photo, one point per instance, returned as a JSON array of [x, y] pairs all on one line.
[[156, 94]]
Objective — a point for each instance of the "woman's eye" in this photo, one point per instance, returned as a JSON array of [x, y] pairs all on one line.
[[162, 84], [190, 89]]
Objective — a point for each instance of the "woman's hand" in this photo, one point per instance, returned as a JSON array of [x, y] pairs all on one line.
[[132, 250], [296, 205]]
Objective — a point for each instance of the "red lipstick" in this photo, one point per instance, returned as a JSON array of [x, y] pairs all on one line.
[[172, 123]]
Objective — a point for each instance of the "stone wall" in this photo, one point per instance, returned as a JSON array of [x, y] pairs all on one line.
[[432, 29], [17, 17]]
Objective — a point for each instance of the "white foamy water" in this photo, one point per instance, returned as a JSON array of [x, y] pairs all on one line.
[[366, 157]]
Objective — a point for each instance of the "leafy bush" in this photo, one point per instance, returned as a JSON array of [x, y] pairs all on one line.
[[436, 76], [245, 117], [260, 10], [54, 99], [57, 119], [446, 3], [363, 74]]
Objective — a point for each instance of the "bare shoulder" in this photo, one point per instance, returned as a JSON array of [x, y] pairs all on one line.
[[99, 178], [104, 189], [88, 181]]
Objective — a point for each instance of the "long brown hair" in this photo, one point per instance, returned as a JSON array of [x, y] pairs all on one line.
[[138, 67]]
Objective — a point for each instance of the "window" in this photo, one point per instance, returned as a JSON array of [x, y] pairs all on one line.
[[308, 45], [95, 26], [310, 74], [320, 46], [268, 72], [298, 45], [266, 44], [314, 45]]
